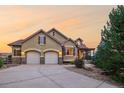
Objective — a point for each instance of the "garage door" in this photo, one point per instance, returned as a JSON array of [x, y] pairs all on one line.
[[33, 58], [51, 58]]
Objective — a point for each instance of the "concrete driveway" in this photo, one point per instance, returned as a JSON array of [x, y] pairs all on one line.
[[46, 76]]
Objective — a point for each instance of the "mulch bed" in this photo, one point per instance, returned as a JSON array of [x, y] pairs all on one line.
[[94, 73]]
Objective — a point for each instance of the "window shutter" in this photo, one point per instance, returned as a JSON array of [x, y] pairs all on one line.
[[39, 40], [44, 39]]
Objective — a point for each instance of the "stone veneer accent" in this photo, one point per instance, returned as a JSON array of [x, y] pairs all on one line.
[[23, 60], [60, 60], [42, 61], [16, 60]]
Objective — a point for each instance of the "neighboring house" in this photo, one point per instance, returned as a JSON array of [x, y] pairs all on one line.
[[50, 47]]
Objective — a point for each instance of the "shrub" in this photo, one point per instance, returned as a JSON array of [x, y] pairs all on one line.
[[110, 51], [1, 62], [118, 78], [71, 62], [79, 63]]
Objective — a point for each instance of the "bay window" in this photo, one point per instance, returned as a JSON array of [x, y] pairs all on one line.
[[69, 51]]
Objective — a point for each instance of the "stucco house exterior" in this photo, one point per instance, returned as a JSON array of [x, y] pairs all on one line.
[[42, 47]]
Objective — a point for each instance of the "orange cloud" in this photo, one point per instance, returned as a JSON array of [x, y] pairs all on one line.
[[68, 23], [18, 22]]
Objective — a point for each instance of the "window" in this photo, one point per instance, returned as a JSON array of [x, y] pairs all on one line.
[[79, 43], [17, 52], [69, 51], [42, 40]]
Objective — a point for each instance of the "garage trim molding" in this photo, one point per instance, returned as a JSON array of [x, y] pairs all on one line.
[[51, 51], [48, 50], [32, 49]]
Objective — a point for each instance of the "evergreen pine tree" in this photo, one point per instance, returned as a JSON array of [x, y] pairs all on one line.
[[110, 51]]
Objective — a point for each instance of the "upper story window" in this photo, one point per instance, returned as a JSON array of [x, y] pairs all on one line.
[[79, 43], [42, 40], [17, 52]]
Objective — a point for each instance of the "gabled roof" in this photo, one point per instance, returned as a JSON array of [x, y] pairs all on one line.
[[29, 37], [79, 39], [53, 29], [69, 39], [16, 43], [82, 45], [20, 42]]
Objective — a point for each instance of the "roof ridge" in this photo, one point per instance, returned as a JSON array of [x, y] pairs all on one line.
[[53, 38], [37, 32], [21, 41], [57, 32], [17, 41], [27, 38], [69, 39]]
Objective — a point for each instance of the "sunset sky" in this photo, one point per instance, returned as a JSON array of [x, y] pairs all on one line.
[[18, 22]]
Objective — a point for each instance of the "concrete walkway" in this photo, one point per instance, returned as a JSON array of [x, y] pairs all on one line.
[[46, 76]]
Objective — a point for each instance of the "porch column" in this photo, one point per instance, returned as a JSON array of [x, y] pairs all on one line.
[[63, 53]]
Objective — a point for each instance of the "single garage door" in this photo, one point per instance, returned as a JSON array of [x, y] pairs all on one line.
[[33, 58], [51, 58]]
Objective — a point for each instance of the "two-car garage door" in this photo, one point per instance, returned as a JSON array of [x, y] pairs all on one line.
[[51, 58], [34, 57]]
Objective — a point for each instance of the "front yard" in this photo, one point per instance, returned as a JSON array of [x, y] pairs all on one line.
[[95, 73]]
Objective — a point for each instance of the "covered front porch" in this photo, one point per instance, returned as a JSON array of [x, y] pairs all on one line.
[[86, 53]]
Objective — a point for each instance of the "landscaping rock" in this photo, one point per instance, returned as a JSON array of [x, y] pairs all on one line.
[[88, 67]]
